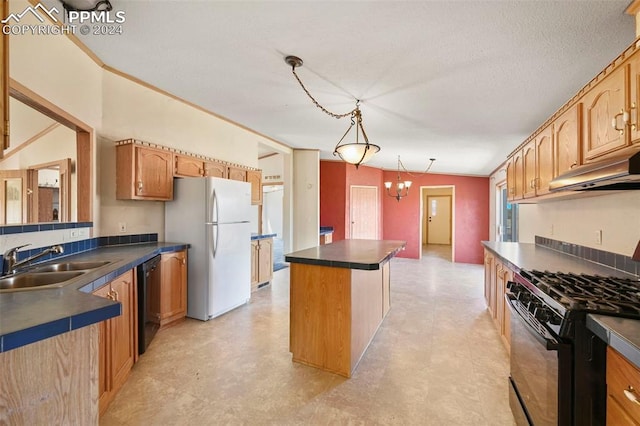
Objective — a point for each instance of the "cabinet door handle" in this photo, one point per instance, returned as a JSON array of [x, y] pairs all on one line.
[[614, 121], [630, 393]]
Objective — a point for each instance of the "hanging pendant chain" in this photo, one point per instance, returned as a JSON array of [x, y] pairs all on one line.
[[326, 111]]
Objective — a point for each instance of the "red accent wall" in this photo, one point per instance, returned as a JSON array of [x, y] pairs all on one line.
[[471, 209], [333, 177], [401, 220]]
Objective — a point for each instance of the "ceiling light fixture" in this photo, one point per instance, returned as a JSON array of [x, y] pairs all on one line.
[[86, 5], [356, 152], [401, 189]]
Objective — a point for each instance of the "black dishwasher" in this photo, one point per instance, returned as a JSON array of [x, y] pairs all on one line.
[[148, 302]]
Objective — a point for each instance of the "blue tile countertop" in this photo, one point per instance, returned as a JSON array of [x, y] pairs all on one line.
[[35, 314], [261, 236], [325, 230], [622, 334]]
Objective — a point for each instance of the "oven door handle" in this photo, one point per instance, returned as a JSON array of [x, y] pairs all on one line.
[[547, 341]]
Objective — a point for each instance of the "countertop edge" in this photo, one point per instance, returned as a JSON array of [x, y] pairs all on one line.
[[367, 266], [106, 309], [611, 331]]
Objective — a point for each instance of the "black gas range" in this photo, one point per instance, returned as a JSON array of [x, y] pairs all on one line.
[[557, 365]]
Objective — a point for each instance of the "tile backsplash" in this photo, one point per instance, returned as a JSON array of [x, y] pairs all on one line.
[[72, 242], [612, 260]]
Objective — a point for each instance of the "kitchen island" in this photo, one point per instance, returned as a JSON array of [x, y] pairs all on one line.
[[339, 295]]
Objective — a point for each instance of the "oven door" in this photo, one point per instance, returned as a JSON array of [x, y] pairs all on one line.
[[540, 389]]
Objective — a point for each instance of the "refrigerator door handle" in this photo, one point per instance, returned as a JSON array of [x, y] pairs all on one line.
[[214, 240], [214, 206]]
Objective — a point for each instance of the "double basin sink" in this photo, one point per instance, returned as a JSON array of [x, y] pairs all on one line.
[[51, 274]]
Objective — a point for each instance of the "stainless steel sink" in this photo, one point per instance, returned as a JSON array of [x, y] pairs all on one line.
[[36, 279], [69, 266]]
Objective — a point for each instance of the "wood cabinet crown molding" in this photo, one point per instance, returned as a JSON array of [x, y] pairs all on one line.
[[616, 63], [181, 152]]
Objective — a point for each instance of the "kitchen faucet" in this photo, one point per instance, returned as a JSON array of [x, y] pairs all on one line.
[[10, 258]]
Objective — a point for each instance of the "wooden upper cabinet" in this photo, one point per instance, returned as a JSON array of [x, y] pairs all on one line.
[[544, 161], [634, 98], [529, 169], [567, 132], [511, 180], [255, 178], [236, 173], [143, 173], [518, 176], [215, 169], [604, 127], [187, 166]]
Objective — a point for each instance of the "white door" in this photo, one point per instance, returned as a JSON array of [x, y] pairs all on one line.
[[439, 219], [364, 212]]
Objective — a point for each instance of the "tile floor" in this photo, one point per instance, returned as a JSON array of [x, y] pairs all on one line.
[[436, 360]]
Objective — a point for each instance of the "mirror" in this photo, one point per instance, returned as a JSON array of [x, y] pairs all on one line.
[[33, 188]]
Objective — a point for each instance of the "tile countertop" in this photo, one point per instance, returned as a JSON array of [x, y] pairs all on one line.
[[352, 254], [621, 334], [261, 236], [31, 315], [325, 230]]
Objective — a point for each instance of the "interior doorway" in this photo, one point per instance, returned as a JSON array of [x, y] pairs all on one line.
[[363, 212], [437, 205]]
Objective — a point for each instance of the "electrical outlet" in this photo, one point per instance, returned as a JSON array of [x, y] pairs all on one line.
[[599, 237], [73, 234], [122, 226]]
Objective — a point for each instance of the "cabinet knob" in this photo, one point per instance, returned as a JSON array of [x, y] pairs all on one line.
[[139, 185], [630, 393]]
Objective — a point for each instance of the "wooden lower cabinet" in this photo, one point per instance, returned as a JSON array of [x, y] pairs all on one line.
[[173, 287], [326, 239], [51, 381], [261, 262], [496, 276], [117, 338], [623, 390]]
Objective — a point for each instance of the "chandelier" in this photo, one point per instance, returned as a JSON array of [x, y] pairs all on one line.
[[356, 152], [401, 189]]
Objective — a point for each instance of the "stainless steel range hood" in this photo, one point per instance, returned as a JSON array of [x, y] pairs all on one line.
[[613, 174]]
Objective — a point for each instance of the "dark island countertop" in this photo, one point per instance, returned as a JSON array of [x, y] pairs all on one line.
[[351, 254], [622, 334], [35, 314]]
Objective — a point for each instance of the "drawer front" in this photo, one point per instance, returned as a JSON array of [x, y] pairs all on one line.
[[623, 383]]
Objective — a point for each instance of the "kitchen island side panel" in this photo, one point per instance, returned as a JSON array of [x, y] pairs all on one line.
[[320, 317]]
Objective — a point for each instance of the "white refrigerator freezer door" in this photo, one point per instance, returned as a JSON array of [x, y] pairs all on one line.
[[229, 266], [228, 201]]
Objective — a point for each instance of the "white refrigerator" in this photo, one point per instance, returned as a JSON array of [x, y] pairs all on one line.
[[213, 216]]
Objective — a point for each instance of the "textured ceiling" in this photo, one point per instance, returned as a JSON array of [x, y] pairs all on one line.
[[462, 81]]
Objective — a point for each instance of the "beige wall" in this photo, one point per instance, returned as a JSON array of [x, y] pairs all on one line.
[[576, 221], [306, 196]]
